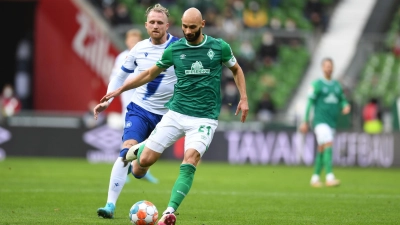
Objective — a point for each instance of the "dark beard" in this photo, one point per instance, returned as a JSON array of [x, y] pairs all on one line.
[[194, 37]]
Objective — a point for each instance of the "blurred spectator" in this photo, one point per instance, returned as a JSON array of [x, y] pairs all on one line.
[[254, 16], [122, 15], [108, 13], [396, 45], [211, 17], [265, 108], [275, 23], [236, 7], [88, 117], [202, 5], [372, 117], [246, 55], [268, 50], [315, 13], [290, 25], [230, 95], [10, 105], [230, 24], [247, 50], [274, 3]]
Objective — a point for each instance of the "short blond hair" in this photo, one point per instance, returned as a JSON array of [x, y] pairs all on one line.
[[157, 8], [134, 32]]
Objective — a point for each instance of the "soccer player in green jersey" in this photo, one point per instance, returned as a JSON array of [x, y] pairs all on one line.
[[194, 107], [327, 98]]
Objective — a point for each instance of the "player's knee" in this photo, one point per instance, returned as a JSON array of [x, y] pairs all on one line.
[[191, 156], [129, 143], [146, 161]]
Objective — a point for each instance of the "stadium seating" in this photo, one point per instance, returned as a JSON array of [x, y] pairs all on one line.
[[381, 74], [282, 77]]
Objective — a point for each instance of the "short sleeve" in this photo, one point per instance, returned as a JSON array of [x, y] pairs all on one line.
[[228, 58], [130, 64], [166, 59], [313, 91]]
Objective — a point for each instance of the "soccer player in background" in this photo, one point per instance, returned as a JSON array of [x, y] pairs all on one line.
[[132, 37], [147, 102], [327, 97], [194, 107]]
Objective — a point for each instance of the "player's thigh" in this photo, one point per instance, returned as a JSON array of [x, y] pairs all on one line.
[[324, 133], [139, 123], [199, 133], [166, 133]]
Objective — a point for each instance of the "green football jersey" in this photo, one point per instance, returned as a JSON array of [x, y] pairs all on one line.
[[328, 99], [198, 69]]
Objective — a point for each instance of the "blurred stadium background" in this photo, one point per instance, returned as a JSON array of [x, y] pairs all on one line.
[[56, 59], [57, 56]]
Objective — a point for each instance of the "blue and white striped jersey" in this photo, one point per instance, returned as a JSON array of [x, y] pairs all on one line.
[[153, 95]]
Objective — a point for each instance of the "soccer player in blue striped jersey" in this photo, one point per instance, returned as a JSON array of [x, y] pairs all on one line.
[[147, 104]]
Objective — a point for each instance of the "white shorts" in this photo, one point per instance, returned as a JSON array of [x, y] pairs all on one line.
[[198, 132], [324, 133]]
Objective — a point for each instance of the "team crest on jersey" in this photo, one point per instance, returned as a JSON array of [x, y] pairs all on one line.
[[183, 56], [146, 54], [331, 99], [197, 68], [210, 54]]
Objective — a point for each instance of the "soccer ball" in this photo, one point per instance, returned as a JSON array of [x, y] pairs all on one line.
[[143, 213]]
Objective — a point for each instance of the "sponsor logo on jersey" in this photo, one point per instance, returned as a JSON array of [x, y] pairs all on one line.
[[183, 56], [197, 68], [210, 54], [331, 99], [128, 124]]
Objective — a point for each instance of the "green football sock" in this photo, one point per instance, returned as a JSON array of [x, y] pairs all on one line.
[[318, 163], [328, 159], [182, 185]]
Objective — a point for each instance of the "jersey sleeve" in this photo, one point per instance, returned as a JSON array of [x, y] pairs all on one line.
[[130, 64], [342, 97], [166, 59], [228, 58], [118, 77], [313, 91]]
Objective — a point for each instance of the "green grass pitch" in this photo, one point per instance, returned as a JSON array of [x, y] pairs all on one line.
[[69, 191]]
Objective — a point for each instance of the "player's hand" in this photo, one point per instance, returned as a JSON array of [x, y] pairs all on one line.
[[346, 110], [244, 107], [110, 95], [100, 108], [303, 127]]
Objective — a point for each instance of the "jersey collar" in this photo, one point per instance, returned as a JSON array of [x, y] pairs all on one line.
[[326, 81], [199, 45]]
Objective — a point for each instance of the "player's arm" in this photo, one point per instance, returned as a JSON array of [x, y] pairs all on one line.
[[144, 77], [344, 103], [312, 95], [118, 78], [118, 75], [229, 61]]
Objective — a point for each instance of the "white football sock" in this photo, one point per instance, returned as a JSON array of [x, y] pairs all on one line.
[[117, 180], [330, 177], [314, 178], [169, 210]]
